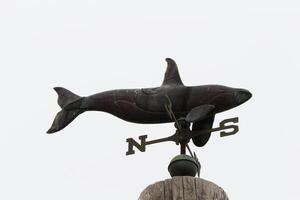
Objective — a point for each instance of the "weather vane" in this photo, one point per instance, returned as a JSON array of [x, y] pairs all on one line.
[[171, 102]]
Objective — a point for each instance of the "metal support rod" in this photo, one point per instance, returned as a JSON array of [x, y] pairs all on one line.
[[188, 147], [182, 148]]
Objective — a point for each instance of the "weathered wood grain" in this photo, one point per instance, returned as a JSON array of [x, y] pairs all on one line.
[[189, 188], [177, 190], [183, 188], [168, 188]]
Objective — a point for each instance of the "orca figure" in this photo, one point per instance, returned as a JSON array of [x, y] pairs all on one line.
[[199, 104]]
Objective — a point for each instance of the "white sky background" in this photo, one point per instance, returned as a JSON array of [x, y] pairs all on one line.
[[93, 46]]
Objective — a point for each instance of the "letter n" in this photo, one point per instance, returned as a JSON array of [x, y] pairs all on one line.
[[132, 142]]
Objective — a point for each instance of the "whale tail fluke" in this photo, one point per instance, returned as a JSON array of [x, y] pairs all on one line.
[[70, 104], [65, 97]]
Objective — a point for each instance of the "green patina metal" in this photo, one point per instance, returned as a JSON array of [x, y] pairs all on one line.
[[184, 165]]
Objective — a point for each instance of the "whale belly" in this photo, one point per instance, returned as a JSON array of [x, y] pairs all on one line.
[[129, 111]]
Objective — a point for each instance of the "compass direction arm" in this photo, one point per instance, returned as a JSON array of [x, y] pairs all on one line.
[[223, 126], [142, 146], [166, 139], [182, 137]]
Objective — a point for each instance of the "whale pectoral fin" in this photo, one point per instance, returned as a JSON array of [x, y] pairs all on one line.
[[199, 113], [172, 76], [202, 125]]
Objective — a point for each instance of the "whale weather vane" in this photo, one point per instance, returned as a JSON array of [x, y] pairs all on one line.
[[171, 102]]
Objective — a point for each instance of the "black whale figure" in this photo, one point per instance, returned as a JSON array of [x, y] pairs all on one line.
[[148, 105]]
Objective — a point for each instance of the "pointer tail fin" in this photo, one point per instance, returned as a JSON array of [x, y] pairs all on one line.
[[70, 104]]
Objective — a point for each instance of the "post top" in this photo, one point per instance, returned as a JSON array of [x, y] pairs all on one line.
[[183, 187]]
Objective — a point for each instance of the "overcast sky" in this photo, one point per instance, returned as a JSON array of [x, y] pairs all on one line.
[[91, 46]]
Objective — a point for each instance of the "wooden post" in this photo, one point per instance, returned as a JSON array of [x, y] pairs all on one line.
[[183, 188]]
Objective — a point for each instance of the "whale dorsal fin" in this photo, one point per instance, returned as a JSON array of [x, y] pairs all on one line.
[[172, 76]]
